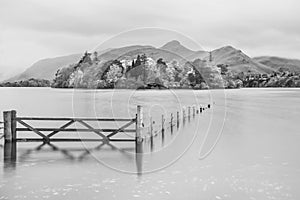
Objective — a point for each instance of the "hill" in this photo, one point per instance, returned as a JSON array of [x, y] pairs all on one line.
[[176, 47], [237, 61], [140, 67], [115, 53], [233, 59], [172, 50], [46, 68], [279, 64]]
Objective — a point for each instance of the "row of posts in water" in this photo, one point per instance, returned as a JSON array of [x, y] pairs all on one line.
[[191, 111]]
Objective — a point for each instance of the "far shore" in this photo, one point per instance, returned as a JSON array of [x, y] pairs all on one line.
[[154, 88]]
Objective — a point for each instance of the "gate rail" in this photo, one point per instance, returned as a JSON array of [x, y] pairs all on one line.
[[105, 135]]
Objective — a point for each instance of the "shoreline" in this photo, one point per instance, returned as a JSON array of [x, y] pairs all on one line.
[[160, 89]]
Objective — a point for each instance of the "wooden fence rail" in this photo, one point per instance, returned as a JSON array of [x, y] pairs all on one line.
[[11, 129], [172, 121], [105, 136]]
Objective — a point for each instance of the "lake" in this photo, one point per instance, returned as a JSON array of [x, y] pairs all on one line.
[[244, 147]]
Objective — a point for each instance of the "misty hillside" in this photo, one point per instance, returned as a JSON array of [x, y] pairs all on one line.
[[175, 47], [281, 64], [235, 60], [46, 68], [139, 68], [115, 53], [154, 53]]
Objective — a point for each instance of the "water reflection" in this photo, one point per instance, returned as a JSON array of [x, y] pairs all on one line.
[[139, 157], [10, 155]]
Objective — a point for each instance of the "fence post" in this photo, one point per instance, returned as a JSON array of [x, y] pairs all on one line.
[[10, 125], [162, 128], [151, 133], [171, 122], [183, 113], [151, 127], [162, 123], [138, 140], [193, 111], [139, 122], [189, 113], [10, 136], [177, 119]]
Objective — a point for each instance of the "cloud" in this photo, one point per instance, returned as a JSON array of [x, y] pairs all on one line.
[[40, 29], [86, 18]]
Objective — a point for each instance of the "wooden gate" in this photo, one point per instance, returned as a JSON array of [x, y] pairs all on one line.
[[11, 120]]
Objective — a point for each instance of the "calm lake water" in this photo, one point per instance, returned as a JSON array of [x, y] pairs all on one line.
[[245, 147]]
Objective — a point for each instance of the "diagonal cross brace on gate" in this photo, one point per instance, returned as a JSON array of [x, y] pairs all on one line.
[[105, 135], [47, 138]]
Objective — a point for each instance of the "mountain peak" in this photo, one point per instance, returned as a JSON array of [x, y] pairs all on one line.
[[176, 47], [172, 43], [228, 48]]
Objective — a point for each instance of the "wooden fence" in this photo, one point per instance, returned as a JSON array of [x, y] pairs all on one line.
[[172, 120], [12, 124], [11, 120], [11, 128]]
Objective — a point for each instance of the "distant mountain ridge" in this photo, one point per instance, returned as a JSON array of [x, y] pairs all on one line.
[[281, 64], [46, 68], [235, 59]]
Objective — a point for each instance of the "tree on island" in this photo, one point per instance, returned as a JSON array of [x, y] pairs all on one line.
[[138, 61]]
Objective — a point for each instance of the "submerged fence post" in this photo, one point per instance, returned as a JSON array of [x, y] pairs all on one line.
[[10, 137], [151, 133], [193, 111], [151, 127], [162, 123], [138, 140], [171, 122], [162, 128], [177, 119], [10, 125], [183, 114], [139, 122]]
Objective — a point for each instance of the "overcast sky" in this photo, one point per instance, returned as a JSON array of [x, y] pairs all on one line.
[[34, 29]]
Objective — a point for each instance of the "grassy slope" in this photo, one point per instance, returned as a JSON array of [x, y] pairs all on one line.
[[46, 68], [238, 61], [276, 62]]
